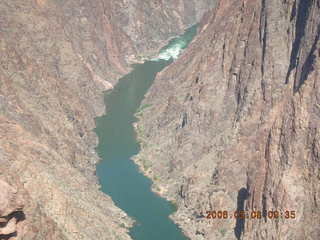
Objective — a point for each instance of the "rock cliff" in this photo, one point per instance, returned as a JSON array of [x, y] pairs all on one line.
[[56, 58], [11, 204], [233, 124]]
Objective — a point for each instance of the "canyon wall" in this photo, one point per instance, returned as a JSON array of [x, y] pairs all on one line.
[[233, 124], [56, 58]]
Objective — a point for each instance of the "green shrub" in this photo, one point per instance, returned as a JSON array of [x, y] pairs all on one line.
[[223, 232]]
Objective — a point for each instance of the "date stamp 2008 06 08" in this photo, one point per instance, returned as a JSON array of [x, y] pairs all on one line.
[[272, 214]]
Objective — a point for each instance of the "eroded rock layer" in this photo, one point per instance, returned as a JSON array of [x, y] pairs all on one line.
[[233, 124], [56, 58]]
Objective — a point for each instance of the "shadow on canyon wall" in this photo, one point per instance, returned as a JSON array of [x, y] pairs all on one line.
[[243, 194]]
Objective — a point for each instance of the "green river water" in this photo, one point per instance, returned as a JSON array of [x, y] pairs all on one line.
[[119, 177]]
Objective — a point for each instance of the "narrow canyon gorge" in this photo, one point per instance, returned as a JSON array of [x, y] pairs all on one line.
[[232, 124]]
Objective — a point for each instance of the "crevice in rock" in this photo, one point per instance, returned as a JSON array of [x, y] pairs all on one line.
[[263, 33], [294, 10], [7, 237], [215, 177], [302, 17], [267, 158], [9, 223], [184, 120], [264, 207], [307, 67], [223, 56], [19, 215]]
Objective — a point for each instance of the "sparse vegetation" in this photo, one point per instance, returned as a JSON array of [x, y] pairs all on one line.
[[174, 204], [143, 107], [146, 164], [140, 133], [156, 178], [223, 232], [122, 225]]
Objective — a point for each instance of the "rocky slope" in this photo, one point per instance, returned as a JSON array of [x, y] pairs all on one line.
[[56, 57], [234, 123]]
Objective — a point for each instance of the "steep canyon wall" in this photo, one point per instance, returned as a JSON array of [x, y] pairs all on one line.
[[234, 122]]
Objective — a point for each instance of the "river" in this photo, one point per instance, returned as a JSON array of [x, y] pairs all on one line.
[[119, 176]]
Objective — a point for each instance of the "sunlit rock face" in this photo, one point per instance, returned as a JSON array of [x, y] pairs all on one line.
[[56, 59], [234, 122]]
